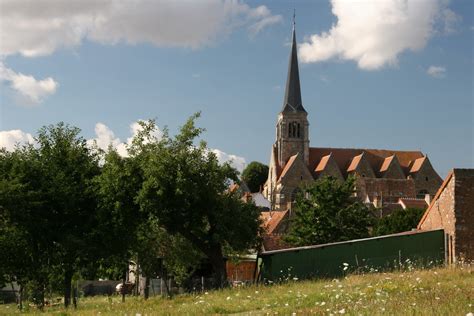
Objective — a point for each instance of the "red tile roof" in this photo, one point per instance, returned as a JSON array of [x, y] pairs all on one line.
[[417, 165], [288, 165], [322, 164], [376, 157], [413, 203], [355, 162], [386, 163], [271, 220]]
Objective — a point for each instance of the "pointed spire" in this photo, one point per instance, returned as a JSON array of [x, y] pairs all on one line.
[[292, 101]]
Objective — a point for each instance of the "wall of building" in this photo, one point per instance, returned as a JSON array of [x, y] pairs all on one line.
[[427, 179], [464, 210]]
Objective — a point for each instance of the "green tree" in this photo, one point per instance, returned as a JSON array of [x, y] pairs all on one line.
[[326, 211], [118, 212], [47, 193], [185, 189], [255, 175], [399, 221]]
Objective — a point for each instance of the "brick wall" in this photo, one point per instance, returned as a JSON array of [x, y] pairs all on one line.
[[464, 208], [453, 210]]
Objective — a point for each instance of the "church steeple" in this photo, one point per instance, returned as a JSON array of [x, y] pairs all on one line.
[[292, 101]]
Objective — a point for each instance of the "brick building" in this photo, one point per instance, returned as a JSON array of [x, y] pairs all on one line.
[[453, 210], [382, 176]]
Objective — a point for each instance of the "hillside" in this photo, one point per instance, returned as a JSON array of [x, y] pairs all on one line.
[[442, 291]]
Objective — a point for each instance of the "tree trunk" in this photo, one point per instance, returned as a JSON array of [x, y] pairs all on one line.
[[146, 291], [20, 298], [124, 278], [218, 264], [67, 287]]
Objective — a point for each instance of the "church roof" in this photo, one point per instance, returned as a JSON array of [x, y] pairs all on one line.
[[323, 163], [417, 164], [348, 158], [386, 163], [271, 220], [292, 101], [288, 165], [355, 162]]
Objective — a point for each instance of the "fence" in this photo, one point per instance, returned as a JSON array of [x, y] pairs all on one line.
[[370, 254]]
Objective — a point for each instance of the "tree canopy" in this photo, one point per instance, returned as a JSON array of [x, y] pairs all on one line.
[[399, 221], [326, 211], [255, 175], [47, 196], [186, 189]]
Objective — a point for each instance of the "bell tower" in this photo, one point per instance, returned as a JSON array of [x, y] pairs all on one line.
[[292, 125]]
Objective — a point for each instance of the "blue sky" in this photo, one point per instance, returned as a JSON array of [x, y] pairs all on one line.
[[407, 85]]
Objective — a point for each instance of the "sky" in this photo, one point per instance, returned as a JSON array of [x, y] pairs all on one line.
[[389, 74]]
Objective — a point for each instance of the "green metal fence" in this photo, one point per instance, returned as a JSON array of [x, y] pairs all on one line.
[[409, 249]]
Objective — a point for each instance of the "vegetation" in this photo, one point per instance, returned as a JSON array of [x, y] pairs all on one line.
[[185, 189], [399, 221], [255, 175], [69, 211], [326, 211], [443, 291]]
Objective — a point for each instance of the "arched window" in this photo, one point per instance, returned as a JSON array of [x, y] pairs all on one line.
[[294, 130]]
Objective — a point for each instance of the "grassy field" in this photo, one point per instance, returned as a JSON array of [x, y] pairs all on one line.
[[441, 291]]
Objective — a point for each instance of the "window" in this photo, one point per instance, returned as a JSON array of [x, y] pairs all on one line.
[[426, 178], [294, 130]]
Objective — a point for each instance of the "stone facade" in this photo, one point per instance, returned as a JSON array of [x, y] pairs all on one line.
[[452, 209]]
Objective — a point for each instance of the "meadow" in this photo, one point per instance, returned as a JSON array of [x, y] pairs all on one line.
[[439, 291]]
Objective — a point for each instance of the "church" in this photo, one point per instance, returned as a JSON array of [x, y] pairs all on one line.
[[383, 177]]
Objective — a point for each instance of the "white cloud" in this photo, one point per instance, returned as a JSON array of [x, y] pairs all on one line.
[[236, 161], [36, 28], [31, 89], [374, 33], [105, 137], [436, 71], [8, 139]]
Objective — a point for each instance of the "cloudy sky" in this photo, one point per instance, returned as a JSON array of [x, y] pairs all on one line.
[[393, 74]]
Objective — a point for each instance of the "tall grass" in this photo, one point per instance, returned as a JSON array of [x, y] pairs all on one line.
[[439, 291]]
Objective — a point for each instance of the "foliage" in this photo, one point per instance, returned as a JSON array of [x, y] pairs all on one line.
[[47, 196], [255, 175], [326, 211], [399, 221], [185, 189]]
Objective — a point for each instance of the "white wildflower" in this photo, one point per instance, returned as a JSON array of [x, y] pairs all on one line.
[[342, 311]]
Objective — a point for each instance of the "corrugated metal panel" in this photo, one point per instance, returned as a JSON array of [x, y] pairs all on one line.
[[378, 253]]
